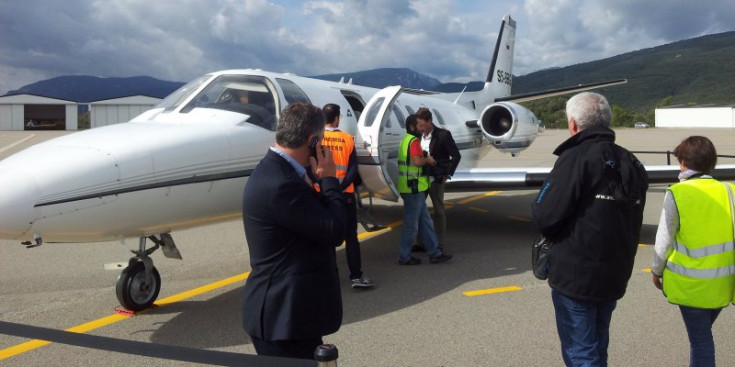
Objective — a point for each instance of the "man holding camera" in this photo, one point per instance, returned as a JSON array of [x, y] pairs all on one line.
[[440, 146], [412, 185]]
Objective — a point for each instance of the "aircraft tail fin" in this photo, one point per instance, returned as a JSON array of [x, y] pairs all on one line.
[[500, 75]]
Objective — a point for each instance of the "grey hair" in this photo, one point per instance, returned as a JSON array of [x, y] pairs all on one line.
[[298, 122], [589, 109]]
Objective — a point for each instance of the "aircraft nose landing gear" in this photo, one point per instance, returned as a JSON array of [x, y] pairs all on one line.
[[139, 283], [137, 290]]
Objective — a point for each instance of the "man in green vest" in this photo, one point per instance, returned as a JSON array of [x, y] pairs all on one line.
[[412, 185], [694, 246]]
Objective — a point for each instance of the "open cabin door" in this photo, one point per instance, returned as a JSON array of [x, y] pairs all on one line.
[[381, 141]]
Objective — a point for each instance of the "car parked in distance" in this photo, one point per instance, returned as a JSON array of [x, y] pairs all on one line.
[[641, 125]]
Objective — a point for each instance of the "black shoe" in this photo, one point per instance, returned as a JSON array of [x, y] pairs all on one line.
[[417, 248], [440, 259], [411, 261]]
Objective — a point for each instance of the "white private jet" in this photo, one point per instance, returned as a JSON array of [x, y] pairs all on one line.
[[185, 162]]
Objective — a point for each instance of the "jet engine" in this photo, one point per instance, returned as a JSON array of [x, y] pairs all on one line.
[[509, 127]]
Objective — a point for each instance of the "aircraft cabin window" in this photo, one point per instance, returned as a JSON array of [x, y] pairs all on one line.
[[410, 110], [373, 112], [399, 116], [250, 95], [438, 117], [292, 92]]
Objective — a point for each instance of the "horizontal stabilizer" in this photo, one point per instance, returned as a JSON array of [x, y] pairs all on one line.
[[558, 92]]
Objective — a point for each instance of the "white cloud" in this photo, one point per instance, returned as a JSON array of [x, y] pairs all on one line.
[[451, 40]]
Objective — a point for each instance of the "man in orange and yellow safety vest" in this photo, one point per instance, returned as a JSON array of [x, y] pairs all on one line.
[[342, 146]]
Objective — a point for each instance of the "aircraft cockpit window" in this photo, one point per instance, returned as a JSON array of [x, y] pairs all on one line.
[[410, 110], [174, 99], [292, 92], [251, 95]]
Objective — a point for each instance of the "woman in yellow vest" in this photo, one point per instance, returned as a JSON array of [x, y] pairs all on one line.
[[694, 263]]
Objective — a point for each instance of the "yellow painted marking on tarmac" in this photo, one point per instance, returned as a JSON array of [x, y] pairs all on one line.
[[22, 348], [642, 245], [478, 197], [108, 320], [482, 292], [203, 289], [520, 219], [29, 137], [80, 329], [479, 210], [647, 270]]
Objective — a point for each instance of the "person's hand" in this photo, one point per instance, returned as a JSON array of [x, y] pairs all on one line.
[[430, 161], [323, 165], [657, 282]]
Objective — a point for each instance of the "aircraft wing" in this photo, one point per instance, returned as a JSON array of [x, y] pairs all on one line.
[[558, 92], [480, 179]]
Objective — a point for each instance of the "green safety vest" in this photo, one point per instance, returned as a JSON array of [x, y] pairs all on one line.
[[700, 272], [407, 171]]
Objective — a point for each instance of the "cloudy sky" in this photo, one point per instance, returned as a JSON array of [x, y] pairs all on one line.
[[451, 40]]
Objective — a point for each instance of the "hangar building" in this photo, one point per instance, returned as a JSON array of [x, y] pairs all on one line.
[[710, 116], [32, 112], [117, 110]]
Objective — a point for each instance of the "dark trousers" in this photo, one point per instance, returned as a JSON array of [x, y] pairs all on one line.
[[352, 246], [302, 349], [436, 193], [698, 322], [584, 329]]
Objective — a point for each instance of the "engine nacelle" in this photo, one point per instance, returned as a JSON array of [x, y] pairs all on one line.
[[509, 127]]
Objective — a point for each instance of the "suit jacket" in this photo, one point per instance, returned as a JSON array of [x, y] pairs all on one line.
[[443, 148], [293, 290]]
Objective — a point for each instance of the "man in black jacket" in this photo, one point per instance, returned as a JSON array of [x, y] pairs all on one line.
[[292, 296], [438, 144], [591, 207]]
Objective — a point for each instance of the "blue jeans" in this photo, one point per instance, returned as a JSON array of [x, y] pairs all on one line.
[[584, 329], [698, 322], [416, 218]]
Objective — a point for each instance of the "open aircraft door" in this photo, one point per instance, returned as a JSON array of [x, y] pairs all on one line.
[[380, 171]]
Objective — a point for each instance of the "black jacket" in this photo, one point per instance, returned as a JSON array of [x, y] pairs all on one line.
[[444, 150], [293, 291], [591, 207]]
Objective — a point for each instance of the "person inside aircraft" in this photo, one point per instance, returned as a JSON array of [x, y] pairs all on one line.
[[691, 264]]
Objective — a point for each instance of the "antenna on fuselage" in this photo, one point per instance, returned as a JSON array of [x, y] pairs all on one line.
[[460, 95]]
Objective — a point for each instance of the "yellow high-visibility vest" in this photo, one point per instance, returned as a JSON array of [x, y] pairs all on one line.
[[700, 272], [407, 171]]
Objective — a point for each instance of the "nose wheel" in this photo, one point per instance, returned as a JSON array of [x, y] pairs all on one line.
[[135, 290]]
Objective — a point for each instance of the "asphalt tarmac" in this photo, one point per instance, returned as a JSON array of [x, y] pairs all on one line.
[[484, 308]]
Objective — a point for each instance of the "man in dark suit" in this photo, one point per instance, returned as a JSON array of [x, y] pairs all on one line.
[[438, 144], [292, 296]]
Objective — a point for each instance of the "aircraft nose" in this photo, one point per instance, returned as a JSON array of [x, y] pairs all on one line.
[[18, 193]]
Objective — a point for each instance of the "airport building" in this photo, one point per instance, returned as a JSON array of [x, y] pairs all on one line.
[[710, 116], [117, 110], [32, 112]]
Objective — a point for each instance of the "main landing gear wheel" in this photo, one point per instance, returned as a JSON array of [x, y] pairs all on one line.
[[133, 290]]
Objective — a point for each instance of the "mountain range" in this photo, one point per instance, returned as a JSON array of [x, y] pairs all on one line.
[[696, 71]]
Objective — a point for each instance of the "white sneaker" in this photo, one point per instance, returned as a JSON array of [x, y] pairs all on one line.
[[362, 283]]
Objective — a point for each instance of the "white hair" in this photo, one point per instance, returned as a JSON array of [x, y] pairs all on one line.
[[589, 109]]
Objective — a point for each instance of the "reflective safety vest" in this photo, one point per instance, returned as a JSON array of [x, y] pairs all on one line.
[[341, 144], [700, 272], [407, 171]]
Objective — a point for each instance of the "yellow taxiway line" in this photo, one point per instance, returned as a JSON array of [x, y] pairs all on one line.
[[111, 319]]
